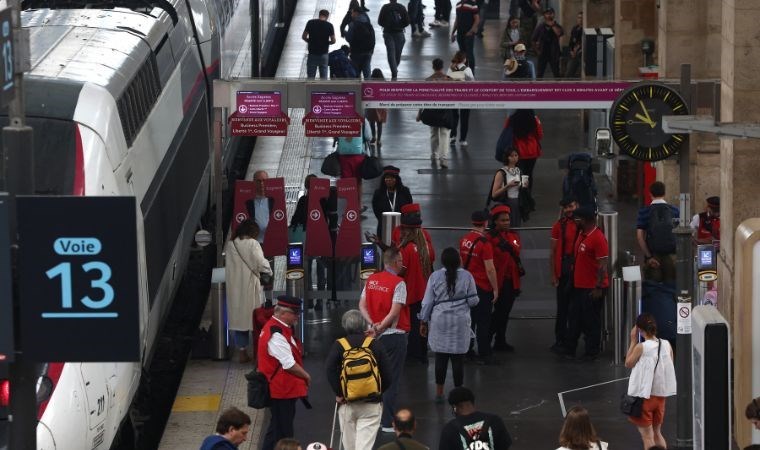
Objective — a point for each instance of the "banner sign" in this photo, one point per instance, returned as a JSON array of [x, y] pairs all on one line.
[[348, 242], [491, 95], [244, 190], [259, 113], [318, 241], [276, 236], [333, 114]]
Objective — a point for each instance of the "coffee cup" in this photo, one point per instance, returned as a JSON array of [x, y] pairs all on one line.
[[524, 180]]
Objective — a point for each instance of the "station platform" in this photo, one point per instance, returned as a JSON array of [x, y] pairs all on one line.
[[532, 385]]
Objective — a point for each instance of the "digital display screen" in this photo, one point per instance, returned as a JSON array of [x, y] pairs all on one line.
[[369, 256], [706, 258], [295, 256]]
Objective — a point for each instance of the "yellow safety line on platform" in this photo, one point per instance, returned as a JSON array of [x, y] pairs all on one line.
[[197, 403]]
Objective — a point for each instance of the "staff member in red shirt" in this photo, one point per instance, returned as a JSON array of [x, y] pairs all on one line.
[[506, 247], [418, 266], [413, 210], [476, 253], [383, 304], [281, 361], [564, 232], [589, 284]]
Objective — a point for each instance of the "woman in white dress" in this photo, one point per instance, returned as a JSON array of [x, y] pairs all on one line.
[[506, 186], [653, 378], [244, 263], [578, 432]]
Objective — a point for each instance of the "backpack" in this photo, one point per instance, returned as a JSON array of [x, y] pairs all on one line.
[[359, 373], [660, 238], [579, 181], [481, 441], [363, 38], [340, 65]]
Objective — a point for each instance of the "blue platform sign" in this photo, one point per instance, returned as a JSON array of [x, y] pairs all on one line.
[[79, 296], [7, 91], [6, 290]]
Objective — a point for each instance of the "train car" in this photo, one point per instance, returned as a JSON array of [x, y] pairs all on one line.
[[119, 98]]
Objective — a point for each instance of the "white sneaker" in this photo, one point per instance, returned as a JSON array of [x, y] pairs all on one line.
[[425, 34], [386, 429], [436, 23], [444, 23], [463, 143]]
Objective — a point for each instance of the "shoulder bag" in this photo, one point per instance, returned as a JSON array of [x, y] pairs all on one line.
[[258, 389], [265, 279], [630, 405], [331, 165]]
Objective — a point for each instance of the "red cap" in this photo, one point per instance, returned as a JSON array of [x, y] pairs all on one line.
[[498, 209], [410, 208]]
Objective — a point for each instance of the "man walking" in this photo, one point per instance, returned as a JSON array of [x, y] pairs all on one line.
[[319, 34], [361, 37], [259, 206], [546, 44], [476, 253], [465, 28], [563, 235], [393, 18], [439, 132], [654, 234], [281, 361], [383, 304], [471, 428], [404, 424]]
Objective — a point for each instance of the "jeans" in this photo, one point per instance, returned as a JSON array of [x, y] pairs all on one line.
[[443, 10], [314, 61], [363, 63], [281, 423], [584, 316], [501, 310], [439, 143], [416, 16], [552, 58], [564, 297], [394, 44], [573, 69], [480, 316], [461, 121], [467, 45], [457, 367], [241, 338], [395, 346], [358, 424], [417, 346]]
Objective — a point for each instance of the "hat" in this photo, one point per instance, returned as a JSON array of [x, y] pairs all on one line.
[[410, 221], [511, 65], [460, 395], [410, 208], [713, 202], [391, 170], [498, 209], [288, 301], [479, 218], [584, 212], [520, 48], [316, 446], [567, 200]]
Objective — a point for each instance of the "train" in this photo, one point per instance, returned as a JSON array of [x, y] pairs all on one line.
[[119, 97]]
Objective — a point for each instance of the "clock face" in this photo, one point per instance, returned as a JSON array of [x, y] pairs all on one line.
[[636, 121]]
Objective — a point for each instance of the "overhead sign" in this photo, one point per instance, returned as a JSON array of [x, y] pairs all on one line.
[[6, 291], [6, 59], [333, 114], [79, 296], [259, 113], [491, 95]]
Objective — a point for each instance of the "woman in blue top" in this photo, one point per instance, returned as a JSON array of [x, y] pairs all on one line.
[[445, 317]]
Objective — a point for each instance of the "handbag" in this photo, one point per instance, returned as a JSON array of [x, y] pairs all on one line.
[[258, 389], [526, 203], [265, 279], [331, 165], [372, 167], [630, 405], [442, 118]]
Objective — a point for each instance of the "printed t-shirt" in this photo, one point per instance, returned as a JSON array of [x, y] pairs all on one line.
[[481, 252]]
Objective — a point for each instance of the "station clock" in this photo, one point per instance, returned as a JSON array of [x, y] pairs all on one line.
[[636, 121]]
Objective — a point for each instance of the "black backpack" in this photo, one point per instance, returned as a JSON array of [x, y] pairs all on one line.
[[660, 237], [579, 181], [481, 441], [363, 39], [340, 65]]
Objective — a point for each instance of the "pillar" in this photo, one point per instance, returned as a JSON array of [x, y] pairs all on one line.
[[634, 21]]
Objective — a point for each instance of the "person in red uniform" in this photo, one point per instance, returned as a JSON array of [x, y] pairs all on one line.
[[589, 284], [383, 304], [413, 209], [414, 251], [564, 232], [281, 361], [707, 223], [476, 253], [506, 248]]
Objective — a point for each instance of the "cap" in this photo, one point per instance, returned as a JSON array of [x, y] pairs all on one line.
[[410, 221], [316, 446], [391, 170], [410, 208], [520, 48], [713, 202], [498, 209], [288, 301], [584, 212], [460, 395], [479, 218], [567, 200]]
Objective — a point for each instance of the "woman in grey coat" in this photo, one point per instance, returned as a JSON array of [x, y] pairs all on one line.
[[445, 317]]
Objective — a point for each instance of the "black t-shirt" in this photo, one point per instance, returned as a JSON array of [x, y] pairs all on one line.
[[319, 36], [496, 435], [466, 12]]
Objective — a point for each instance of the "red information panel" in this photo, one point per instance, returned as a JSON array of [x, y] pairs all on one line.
[[244, 191], [276, 237], [259, 113], [333, 114], [348, 242], [318, 242]]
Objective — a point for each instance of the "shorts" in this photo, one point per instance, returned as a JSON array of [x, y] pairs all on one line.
[[351, 166], [652, 412]]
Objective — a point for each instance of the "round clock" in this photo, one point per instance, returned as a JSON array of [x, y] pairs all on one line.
[[636, 121]]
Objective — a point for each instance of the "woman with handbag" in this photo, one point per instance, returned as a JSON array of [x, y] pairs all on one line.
[[445, 318], [578, 432], [506, 185], [652, 379], [244, 265]]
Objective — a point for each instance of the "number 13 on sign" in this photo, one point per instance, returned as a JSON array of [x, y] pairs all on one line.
[[64, 271]]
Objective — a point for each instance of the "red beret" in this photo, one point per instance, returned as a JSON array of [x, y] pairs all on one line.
[[410, 208], [498, 209]]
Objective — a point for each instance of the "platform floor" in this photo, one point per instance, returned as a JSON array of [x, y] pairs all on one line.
[[527, 389]]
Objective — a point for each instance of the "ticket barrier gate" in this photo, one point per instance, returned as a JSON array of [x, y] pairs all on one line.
[[369, 263], [706, 288], [295, 278]]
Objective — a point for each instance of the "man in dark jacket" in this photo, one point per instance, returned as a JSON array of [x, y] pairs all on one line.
[[546, 43], [360, 419], [231, 430], [404, 424], [361, 37], [485, 428], [394, 19]]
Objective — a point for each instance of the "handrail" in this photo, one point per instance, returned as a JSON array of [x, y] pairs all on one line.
[[470, 228]]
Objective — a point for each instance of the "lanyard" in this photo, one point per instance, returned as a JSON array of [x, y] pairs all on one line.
[[391, 202]]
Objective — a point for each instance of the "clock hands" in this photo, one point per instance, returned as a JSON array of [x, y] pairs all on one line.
[[645, 117]]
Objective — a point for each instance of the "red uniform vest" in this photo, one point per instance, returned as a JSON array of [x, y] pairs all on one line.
[[379, 295], [709, 227], [416, 283], [283, 384]]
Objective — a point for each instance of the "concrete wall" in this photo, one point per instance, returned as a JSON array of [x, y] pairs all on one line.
[[634, 21]]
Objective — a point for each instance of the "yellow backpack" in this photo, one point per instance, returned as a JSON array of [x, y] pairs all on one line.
[[359, 374]]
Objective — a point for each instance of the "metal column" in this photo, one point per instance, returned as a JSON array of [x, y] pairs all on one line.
[[609, 226], [390, 221]]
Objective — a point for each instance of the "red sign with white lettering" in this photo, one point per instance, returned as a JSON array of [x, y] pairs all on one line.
[[333, 114], [259, 126], [244, 191], [348, 242], [318, 241], [276, 237]]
